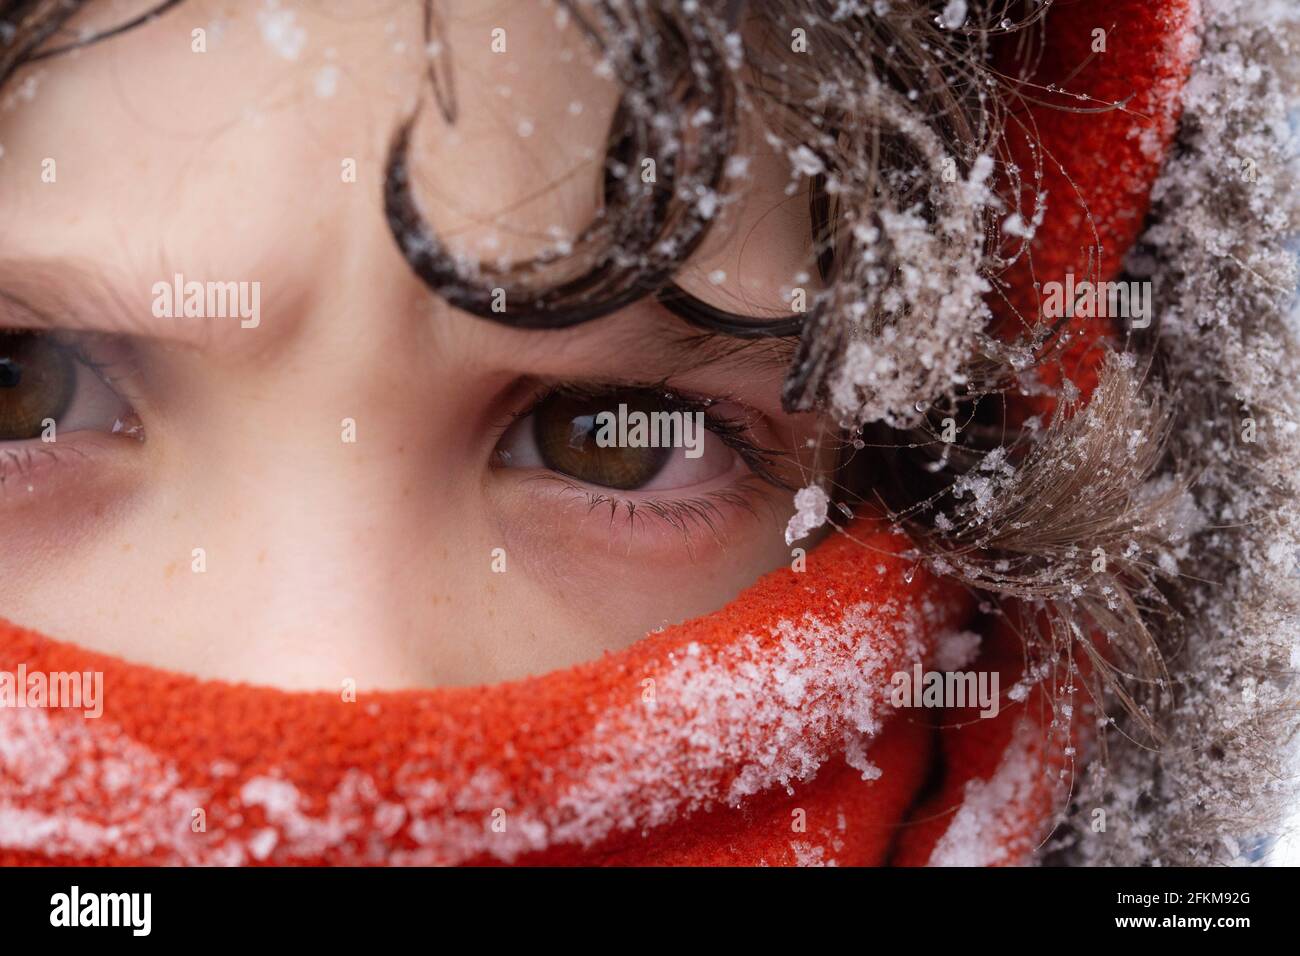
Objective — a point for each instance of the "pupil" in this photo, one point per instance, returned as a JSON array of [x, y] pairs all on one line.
[[11, 373], [582, 430], [566, 432]]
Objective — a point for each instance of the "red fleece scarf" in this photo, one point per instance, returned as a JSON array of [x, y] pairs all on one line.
[[761, 734]]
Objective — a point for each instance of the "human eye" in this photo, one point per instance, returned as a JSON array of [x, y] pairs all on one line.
[[643, 451], [55, 393]]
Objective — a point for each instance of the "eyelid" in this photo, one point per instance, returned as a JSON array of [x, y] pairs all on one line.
[[683, 514], [111, 357], [599, 388], [733, 432], [96, 412]]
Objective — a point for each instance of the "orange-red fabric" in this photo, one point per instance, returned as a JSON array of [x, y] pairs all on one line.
[[692, 733], [1097, 172], [760, 734], [1094, 169]]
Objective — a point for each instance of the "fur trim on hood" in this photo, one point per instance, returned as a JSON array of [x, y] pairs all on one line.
[[1220, 250]]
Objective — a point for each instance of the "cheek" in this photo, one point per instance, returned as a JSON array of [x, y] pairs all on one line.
[[60, 498]]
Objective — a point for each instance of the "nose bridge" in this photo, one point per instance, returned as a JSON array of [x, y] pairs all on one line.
[[333, 565], [336, 449], [311, 492]]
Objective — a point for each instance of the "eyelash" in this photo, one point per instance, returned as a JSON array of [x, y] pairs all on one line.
[[733, 433], [682, 515], [103, 356], [16, 464]]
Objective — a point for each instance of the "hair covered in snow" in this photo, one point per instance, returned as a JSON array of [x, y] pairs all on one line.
[[898, 125], [1220, 251]]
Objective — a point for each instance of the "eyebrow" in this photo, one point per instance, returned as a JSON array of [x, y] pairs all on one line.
[[75, 295], [70, 294]]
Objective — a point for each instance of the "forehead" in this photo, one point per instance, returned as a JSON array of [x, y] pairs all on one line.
[[250, 140], [223, 121]]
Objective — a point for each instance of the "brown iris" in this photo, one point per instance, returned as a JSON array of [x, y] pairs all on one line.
[[565, 428], [37, 381]]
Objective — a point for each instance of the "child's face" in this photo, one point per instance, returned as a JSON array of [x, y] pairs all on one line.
[[323, 557]]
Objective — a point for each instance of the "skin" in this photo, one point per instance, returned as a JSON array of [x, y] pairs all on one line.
[[370, 559]]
